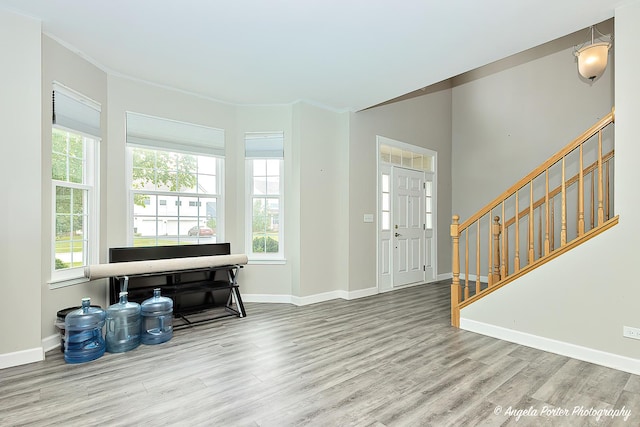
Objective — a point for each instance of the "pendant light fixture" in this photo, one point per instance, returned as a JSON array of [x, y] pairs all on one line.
[[592, 57]]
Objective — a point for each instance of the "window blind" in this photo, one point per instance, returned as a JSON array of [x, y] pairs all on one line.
[[75, 112], [261, 145], [165, 134]]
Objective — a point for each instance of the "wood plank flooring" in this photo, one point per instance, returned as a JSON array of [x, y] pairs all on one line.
[[386, 360]]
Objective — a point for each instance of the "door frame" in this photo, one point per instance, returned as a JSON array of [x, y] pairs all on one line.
[[384, 278]]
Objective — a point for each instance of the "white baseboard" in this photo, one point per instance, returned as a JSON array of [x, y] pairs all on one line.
[[610, 360], [410, 285], [361, 293], [472, 277], [325, 296], [310, 299], [444, 276], [51, 342], [271, 298], [22, 357], [316, 298]]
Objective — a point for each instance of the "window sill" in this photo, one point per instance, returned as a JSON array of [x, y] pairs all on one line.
[[61, 283], [274, 261]]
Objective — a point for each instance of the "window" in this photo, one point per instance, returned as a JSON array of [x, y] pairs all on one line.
[[386, 202], [75, 138], [264, 164], [406, 158], [428, 206], [171, 163]]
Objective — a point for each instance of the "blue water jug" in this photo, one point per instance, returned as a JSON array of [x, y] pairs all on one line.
[[157, 319], [123, 325], [83, 333]]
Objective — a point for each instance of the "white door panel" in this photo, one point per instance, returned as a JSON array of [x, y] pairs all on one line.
[[408, 219], [385, 255]]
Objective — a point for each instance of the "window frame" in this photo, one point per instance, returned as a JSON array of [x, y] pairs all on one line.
[[167, 195], [263, 257], [91, 156]]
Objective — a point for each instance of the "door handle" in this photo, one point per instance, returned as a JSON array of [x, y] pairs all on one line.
[[398, 234]]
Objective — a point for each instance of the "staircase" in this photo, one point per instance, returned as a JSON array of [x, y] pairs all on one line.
[[564, 202]]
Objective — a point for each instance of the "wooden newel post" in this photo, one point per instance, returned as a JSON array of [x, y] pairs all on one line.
[[496, 249], [456, 296]]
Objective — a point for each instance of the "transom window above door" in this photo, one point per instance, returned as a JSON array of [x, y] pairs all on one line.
[[405, 158]]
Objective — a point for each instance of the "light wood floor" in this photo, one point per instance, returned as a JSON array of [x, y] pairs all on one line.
[[387, 360]]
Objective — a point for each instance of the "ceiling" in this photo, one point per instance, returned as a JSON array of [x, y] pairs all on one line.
[[341, 54]]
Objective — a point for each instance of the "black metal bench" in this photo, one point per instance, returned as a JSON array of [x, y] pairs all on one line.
[[194, 291]]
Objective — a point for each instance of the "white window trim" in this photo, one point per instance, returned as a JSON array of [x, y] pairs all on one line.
[[220, 173], [74, 276], [263, 258]]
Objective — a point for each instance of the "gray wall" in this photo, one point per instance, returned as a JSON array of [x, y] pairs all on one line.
[[586, 296], [20, 174], [265, 279], [511, 116], [63, 66], [423, 121], [323, 143], [127, 95]]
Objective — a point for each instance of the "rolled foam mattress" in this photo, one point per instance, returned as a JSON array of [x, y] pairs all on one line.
[[99, 271]]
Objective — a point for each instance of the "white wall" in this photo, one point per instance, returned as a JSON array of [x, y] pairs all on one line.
[[20, 174], [579, 302]]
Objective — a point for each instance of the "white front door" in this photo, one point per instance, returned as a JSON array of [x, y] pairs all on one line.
[[408, 230]]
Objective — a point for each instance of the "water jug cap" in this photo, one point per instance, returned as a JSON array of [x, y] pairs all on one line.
[[86, 316], [123, 294], [157, 303]]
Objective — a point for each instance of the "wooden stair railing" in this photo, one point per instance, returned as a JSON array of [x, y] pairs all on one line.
[[533, 234]]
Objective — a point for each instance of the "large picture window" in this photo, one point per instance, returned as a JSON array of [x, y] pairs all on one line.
[[175, 198], [74, 158], [176, 182], [264, 164]]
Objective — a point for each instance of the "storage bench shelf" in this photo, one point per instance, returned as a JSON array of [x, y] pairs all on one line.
[[193, 291]]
